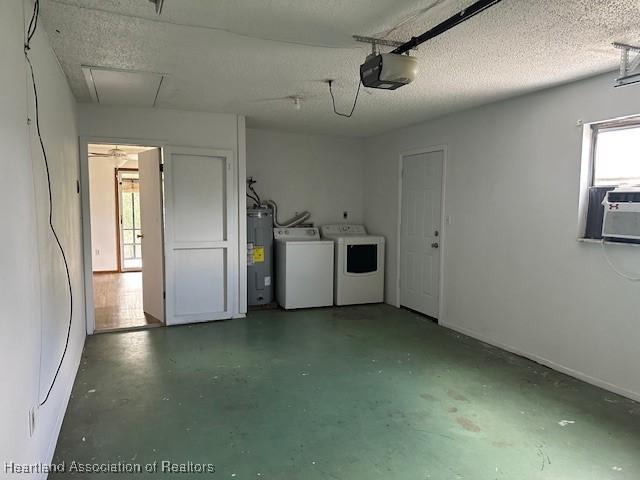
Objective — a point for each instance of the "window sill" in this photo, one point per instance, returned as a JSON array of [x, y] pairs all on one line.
[[588, 240], [599, 242]]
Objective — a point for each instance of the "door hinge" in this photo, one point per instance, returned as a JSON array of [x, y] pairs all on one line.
[[161, 167], [164, 295]]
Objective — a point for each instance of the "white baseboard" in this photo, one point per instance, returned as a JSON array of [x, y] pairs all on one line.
[[548, 363]]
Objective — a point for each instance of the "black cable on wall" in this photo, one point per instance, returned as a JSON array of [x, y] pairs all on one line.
[[333, 100], [33, 25]]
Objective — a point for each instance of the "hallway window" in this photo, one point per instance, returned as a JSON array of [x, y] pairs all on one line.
[[130, 226]]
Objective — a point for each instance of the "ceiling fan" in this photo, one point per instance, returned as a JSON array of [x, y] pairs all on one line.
[[117, 155]]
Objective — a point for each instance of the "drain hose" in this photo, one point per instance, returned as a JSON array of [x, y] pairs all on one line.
[[292, 222]]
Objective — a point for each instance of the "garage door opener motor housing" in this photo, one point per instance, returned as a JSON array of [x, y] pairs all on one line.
[[388, 70]]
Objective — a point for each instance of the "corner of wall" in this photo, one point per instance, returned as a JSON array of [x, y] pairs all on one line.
[[39, 302], [242, 209]]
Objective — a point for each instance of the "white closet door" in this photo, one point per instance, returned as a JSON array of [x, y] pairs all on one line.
[[420, 231], [152, 244], [201, 239]]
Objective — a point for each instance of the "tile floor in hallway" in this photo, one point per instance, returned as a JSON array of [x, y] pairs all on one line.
[[348, 393]]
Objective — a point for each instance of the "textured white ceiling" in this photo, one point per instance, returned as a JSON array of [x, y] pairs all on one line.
[[247, 56]]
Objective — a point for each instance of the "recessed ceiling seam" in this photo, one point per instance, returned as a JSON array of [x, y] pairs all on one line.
[[93, 85], [155, 100], [202, 27]]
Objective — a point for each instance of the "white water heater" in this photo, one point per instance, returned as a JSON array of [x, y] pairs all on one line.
[[259, 256]]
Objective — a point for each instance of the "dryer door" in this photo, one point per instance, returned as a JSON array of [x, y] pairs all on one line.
[[362, 259]]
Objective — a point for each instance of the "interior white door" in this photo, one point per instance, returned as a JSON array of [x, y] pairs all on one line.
[[420, 235], [201, 235], [152, 242]]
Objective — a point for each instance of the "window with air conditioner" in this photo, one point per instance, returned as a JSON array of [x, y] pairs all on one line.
[[613, 164]]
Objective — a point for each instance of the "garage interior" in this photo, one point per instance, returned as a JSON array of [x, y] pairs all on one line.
[[320, 240]]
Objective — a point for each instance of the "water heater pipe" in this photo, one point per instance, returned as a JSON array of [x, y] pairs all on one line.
[[292, 222]]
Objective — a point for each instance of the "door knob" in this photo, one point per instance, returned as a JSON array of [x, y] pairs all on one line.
[[435, 245]]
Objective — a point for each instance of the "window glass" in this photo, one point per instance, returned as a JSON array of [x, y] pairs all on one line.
[[127, 210], [136, 210], [129, 252], [617, 157]]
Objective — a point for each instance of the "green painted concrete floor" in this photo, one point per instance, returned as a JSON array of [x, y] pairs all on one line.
[[348, 393]]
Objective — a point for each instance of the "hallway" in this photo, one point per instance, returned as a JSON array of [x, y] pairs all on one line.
[[118, 302]]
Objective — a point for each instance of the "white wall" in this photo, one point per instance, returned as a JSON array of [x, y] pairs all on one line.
[[159, 127], [319, 173], [104, 241], [515, 275], [33, 292], [173, 127]]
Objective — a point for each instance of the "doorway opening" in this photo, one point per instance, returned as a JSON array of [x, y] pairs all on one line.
[[129, 225], [125, 192]]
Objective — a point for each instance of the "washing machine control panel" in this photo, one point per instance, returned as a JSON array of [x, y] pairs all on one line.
[[301, 233], [343, 229]]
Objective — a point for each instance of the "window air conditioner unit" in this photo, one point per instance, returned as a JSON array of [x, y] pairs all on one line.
[[622, 214]]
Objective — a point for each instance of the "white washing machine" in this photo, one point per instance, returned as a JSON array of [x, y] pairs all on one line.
[[304, 268], [359, 264]]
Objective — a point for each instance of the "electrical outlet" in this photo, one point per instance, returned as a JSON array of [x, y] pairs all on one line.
[[32, 420]]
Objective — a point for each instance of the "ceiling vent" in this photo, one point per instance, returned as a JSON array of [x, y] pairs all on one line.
[[109, 86]]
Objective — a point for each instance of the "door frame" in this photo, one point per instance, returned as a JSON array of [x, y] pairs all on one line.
[[85, 204], [443, 222], [231, 244], [119, 234]]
